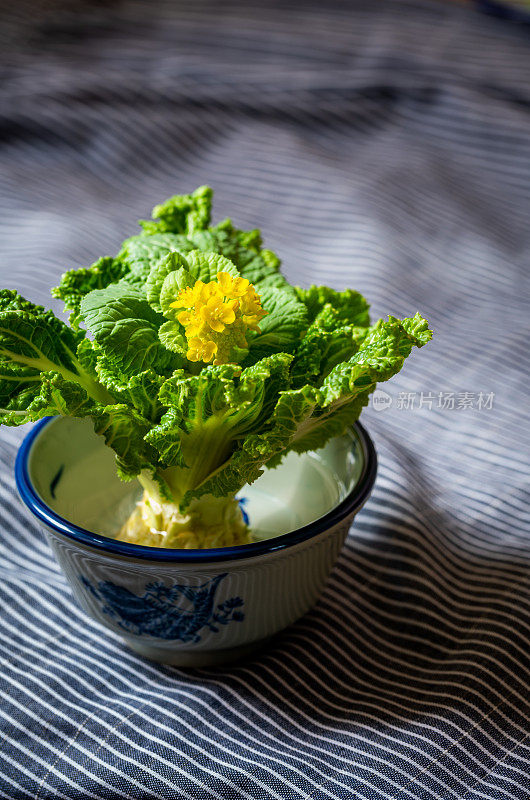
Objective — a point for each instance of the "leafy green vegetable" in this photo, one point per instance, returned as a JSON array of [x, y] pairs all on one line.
[[325, 344], [77, 283], [350, 307], [173, 262], [283, 327], [141, 253], [40, 371], [243, 248], [124, 429], [182, 213], [126, 329], [199, 365]]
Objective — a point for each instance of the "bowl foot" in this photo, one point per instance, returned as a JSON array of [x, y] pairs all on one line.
[[193, 658]]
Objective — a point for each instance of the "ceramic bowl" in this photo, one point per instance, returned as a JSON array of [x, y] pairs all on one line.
[[193, 607]]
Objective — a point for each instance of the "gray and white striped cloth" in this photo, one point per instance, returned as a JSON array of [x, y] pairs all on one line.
[[383, 146]]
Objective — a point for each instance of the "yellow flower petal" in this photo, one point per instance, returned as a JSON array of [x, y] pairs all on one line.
[[225, 282], [215, 324], [250, 305], [224, 309], [251, 321], [240, 287], [209, 349], [185, 317], [218, 314], [201, 350], [227, 312], [232, 288], [194, 329], [185, 299]]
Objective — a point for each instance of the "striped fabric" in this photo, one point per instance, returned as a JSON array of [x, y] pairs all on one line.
[[383, 146]]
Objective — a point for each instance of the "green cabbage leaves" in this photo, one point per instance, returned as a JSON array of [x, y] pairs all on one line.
[[194, 429]]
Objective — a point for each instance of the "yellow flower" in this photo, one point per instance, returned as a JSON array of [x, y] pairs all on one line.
[[201, 349], [218, 314], [232, 287], [252, 322], [251, 309], [191, 322], [185, 318], [210, 290], [196, 295], [186, 298], [250, 303]]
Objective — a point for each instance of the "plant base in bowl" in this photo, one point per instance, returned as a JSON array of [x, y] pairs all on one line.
[[193, 607]]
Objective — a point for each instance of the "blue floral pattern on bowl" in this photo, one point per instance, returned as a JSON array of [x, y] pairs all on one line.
[[167, 612]]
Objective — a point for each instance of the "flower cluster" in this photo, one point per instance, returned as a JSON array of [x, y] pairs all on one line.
[[217, 315]]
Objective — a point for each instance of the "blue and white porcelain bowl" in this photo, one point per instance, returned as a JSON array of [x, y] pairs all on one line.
[[193, 607]]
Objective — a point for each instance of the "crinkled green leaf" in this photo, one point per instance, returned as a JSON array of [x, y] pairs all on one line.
[[126, 329], [257, 449], [205, 266], [327, 423], [171, 288], [325, 344], [50, 395], [141, 392], [33, 336], [141, 253], [244, 249], [243, 399], [206, 413], [11, 300], [173, 262], [210, 413], [206, 241], [182, 213], [33, 342], [192, 432], [172, 337], [198, 397], [165, 438], [283, 327], [19, 387], [306, 418], [380, 356], [76, 283], [417, 328], [40, 371], [263, 270], [259, 387], [87, 356], [124, 430], [351, 307], [60, 396], [244, 244]]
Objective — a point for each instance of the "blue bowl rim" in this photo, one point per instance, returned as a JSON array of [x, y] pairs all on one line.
[[351, 503]]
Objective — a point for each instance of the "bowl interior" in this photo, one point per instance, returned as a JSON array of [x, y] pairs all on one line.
[[74, 474]]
